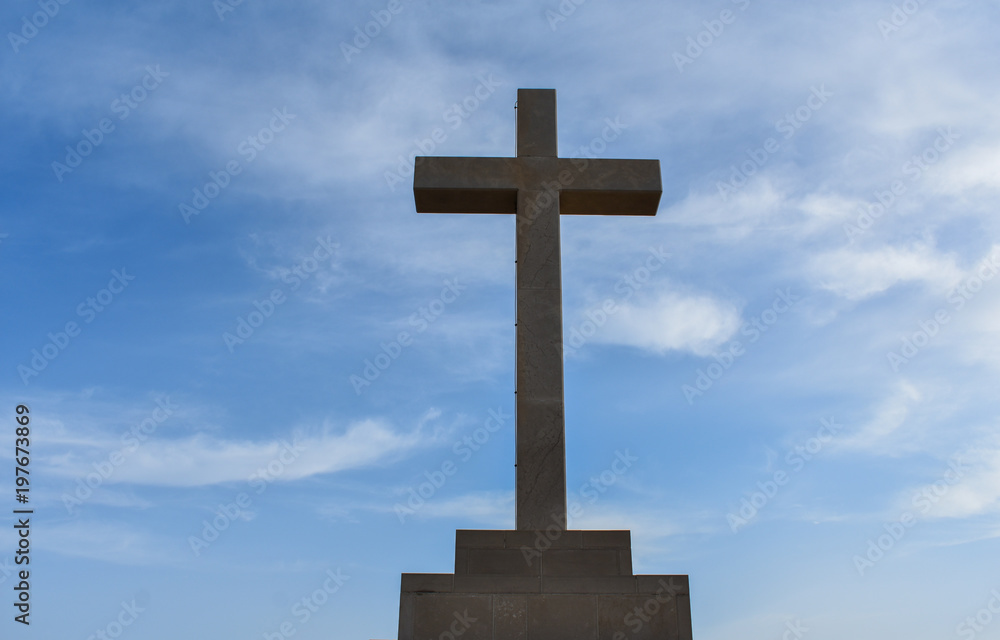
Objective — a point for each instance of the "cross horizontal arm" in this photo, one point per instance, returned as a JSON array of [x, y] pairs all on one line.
[[609, 186], [465, 185], [490, 185]]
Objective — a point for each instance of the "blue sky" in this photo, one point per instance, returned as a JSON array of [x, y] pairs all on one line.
[[208, 235]]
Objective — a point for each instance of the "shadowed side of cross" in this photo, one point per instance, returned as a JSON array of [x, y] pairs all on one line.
[[537, 186]]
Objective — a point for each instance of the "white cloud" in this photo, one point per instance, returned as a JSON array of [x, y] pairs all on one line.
[[977, 489], [736, 216], [827, 208], [974, 167], [204, 460], [672, 322], [883, 433], [857, 274]]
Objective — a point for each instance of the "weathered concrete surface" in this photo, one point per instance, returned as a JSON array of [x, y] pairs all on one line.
[[544, 585]]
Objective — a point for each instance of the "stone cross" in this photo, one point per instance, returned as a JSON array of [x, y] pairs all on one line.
[[537, 186]]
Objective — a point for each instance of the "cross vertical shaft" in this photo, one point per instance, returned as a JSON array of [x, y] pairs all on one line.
[[540, 414]]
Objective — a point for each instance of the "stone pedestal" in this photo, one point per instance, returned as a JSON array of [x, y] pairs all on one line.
[[543, 585]]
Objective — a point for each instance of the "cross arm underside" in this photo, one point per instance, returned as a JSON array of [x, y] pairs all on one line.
[[465, 185], [609, 187]]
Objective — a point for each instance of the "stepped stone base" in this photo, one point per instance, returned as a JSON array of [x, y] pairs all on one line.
[[543, 585]]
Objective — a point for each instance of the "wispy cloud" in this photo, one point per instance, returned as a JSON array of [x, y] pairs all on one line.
[[163, 458], [672, 322], [203, 460], [885, 432], [978, 490], [857, 274]]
